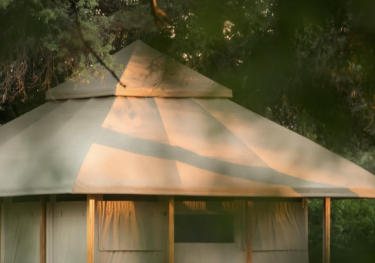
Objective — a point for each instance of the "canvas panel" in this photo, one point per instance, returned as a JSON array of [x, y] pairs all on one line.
[[21, 233], [208, 253], [303, 165], [225, 165], [279, 235], [142, 70], [205, 147], [151, 74], [52, 149], [131, 257], [14, 127], [130, 154], [67, 232], [281, 257], [279, 226], [132, 226]]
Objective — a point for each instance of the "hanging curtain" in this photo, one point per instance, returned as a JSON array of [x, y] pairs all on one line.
[[132, 226], [279, 233]]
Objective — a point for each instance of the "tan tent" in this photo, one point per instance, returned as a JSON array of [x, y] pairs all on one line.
[[170, 132]]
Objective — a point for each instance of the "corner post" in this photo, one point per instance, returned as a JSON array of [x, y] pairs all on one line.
[[90, 228], [326, 229], [305, 206], [171, 230], [43, 230], [249, 207], [1, 216]]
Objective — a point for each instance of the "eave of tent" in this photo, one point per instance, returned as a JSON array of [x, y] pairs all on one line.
[[167, 146]]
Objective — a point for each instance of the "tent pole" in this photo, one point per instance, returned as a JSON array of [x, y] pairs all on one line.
[[43, 230], [249, 207], [326, 229], [90, 228], [171, 230], [52, 201], [305, 204], [1, 216]]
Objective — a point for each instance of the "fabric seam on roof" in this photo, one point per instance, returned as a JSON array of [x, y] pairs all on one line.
[[18, 119], [226, 128], [92, 142], [297, 178]]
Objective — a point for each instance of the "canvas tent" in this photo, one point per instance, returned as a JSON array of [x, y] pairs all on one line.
[[106, 173]]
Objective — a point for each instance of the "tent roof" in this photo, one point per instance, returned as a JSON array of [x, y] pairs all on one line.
[[167, 146], [146, 73]]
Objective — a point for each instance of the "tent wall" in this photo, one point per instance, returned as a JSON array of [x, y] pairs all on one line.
[[142, 227], [66, 233], [21, 233], [279, 233], [208, 253]]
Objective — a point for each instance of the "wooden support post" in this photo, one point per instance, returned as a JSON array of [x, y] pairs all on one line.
[[171, 230], [51, 227], [90, 228], [43, 230], [249, 207], [326, 229], [1, 217], [305, 205]]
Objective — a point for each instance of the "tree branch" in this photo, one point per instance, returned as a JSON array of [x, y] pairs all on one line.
[[88, 47]]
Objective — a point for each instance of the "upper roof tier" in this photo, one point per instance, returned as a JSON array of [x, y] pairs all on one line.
[[146, 73]]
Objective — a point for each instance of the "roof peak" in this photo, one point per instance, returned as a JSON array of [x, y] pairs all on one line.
[[146, 73]]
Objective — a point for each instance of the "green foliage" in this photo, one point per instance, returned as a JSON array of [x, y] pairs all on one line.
[[352, 230]]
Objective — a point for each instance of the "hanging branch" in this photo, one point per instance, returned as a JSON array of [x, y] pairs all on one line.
[[160, 17], [88, 47]]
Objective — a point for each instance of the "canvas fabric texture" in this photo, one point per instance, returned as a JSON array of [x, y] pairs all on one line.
[[137, 232], [132, 226], [21, 233], [135, 223], [279, 234], [66, 232], [202, 147]]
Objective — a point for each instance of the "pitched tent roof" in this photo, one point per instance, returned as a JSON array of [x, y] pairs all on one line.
[[147, 73], [165, 146]]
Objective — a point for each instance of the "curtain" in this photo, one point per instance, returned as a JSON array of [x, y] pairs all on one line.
[[279, 232], [66, 234], [132, 226], [21, 233], [279, 226]]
